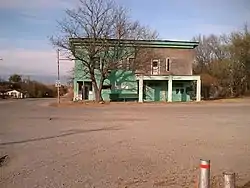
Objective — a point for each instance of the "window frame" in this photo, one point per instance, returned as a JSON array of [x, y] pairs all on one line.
[[99, 61], [168, 62], [158, 66], [129, 64], [155, 60]]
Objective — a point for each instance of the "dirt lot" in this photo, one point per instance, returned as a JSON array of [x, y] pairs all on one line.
[[122, 145]]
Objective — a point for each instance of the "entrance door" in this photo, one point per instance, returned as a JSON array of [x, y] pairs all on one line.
[[177, 94], [86, 92], [157, 93], [80, 90], [87, 89]]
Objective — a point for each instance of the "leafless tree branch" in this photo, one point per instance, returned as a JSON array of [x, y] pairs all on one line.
[[98, 22]]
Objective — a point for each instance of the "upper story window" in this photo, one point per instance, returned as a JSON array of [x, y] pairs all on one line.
[[155, 63], [97, 62], [155, 67], [128, 64], [119, 64], [168, 64], [131, 63]]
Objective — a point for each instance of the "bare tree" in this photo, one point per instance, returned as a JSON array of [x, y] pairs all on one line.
[[100, 34], [210, 52], [225, 60], [240, 55], [211, 48]]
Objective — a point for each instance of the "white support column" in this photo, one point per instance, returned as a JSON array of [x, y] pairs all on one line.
[[170, 89], [141, 89], [75, 90], [198, 90]]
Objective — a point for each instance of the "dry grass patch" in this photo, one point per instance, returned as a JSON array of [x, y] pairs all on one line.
[[78, 104]]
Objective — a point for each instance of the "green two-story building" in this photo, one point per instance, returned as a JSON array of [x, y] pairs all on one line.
[[166, 76]]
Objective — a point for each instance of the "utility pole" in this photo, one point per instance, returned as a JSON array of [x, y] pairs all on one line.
[[58, 84]]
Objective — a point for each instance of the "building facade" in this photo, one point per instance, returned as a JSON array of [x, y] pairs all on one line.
[[15, 94], [166, 76]]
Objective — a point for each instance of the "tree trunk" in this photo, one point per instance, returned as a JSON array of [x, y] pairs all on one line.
[[98, 97], [98, 90]]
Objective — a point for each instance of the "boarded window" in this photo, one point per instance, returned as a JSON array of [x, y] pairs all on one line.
[[131, 63], [128, 64], [155, 67], [155, 63], [168, 64], [97, 62]]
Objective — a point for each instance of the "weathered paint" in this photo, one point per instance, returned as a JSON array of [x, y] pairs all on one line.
[[125, 85], [158, 91], [142, 43], [156, 77], [180, 95]]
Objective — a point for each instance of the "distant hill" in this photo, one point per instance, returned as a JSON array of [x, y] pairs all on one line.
[[46, 79]]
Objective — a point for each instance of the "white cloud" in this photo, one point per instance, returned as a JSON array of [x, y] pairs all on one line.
[[25, 61]]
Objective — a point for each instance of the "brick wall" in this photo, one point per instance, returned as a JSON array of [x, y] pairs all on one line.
[[181, 61]]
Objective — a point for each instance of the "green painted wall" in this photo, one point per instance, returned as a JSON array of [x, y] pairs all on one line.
[[158, 91], [125, 87], [78, 75], [124, 83], [179, 91]]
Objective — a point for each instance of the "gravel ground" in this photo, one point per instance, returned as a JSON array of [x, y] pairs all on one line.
[[122, 145]]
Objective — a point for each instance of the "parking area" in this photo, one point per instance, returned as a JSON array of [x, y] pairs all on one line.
[[122, 145]]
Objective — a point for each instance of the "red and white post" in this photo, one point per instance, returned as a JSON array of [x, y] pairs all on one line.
[[204, 179]]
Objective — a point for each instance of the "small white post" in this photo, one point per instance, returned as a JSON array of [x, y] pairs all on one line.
[[229, 180], [204, 181], [170, 88], [198, 90], [141, 89]]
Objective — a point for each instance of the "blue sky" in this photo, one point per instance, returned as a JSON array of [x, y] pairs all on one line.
[[26, 25]]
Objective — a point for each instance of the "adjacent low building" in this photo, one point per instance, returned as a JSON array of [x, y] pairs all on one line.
[[15, 94], [166, 76]]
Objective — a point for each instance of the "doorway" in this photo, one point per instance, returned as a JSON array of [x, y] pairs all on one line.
[[87, 90], [80, 89], [157, 93], [179, 94]]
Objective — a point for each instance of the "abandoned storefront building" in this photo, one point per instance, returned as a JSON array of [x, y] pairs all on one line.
[[166, 76]]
